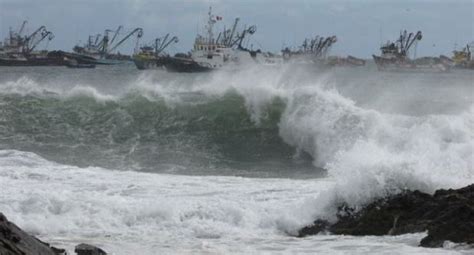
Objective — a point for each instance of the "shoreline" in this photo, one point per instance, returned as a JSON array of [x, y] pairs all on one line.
[[447, 215]]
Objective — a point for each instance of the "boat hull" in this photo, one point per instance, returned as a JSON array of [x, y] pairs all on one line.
[[85, 59], [185, 65], [150, 63], [110, 62], [46, 61], [79, 66], [401, 65]]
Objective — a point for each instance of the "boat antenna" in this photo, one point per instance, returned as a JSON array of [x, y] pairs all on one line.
[[197, 26], [210, 24], [381, 40]]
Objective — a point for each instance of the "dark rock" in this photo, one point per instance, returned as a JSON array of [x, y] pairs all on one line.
[[456, 222], [87, 249], [447, 215], [14, 241], [317, 227]]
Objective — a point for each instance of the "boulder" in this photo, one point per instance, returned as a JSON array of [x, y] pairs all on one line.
[[448, 215], [14, 241], [87, 249]]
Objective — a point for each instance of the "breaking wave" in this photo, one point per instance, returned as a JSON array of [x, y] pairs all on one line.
[[142, 132], [370, 154], [251, 116]]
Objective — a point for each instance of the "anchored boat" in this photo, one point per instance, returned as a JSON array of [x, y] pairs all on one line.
[[463, 58], [208, 53], [394, 57], [100, 47], [19, 49], [151, 57], [224, 51], [315, 51]]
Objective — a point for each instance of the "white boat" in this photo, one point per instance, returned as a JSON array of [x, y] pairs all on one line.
[[224, 51]]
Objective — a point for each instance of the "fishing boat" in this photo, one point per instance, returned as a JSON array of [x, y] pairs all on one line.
[[395, 57], [463, 58], [226, 50], [349, 61], [100, 47], [20, 50], [15, 42], [315, 52], [208, 53], [151, 57]]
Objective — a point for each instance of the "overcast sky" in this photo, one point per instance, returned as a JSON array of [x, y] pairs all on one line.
[[360, 26]]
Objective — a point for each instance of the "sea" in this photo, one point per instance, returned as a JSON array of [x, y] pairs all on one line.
[[227, 162]]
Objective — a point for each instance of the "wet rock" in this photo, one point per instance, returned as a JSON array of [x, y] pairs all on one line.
[[317, 227], [448, 215], [455, 222], [14, 241], [87, 249]]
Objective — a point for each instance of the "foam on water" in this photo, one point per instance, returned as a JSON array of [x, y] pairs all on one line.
[[126, 212], [22, 86], [368, 153], [69, 203]]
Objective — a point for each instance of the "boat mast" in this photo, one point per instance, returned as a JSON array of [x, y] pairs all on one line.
[[138, 31], [234, 27], [210, 24], [22, 27], [29, 39], [44, 34], [116, 33]]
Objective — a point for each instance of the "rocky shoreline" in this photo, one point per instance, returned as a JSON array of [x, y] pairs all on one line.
[[15, 241], [447, 215]]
